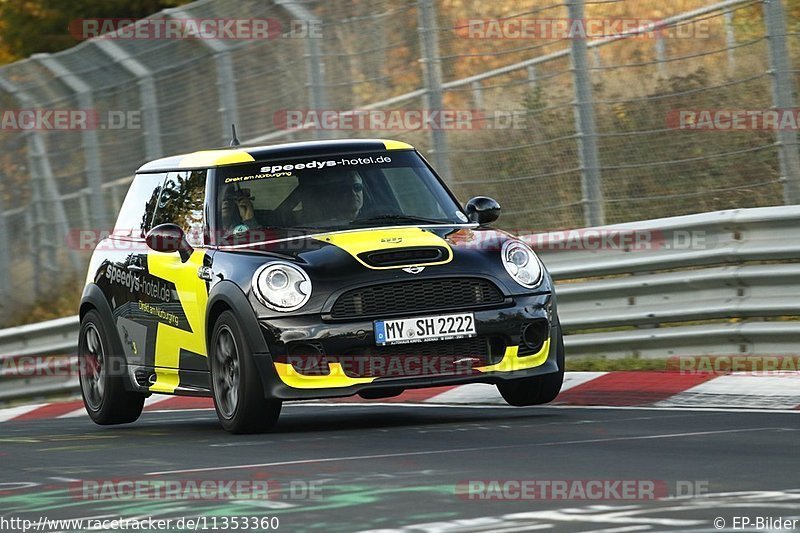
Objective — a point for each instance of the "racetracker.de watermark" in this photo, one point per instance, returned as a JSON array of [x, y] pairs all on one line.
[[589, 28], [600, 239], [727, 364], [196, 489], [408, 364], [237, 29], [594, 239], [734, 119], [48, 119], [577, 489], [399, 119]]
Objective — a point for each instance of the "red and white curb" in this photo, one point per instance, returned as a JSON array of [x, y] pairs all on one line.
[[613, 389]]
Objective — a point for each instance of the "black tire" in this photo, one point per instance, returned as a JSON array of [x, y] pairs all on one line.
[[238, 393], [102, 376], [536, 390]]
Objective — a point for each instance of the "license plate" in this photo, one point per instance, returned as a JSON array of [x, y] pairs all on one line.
[[424, 329]]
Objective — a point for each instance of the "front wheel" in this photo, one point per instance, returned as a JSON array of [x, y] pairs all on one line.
[[238, 394], [102, 377], [536, 390]]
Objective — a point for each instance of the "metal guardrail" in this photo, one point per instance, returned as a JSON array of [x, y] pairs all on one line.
[[37, 360], [726, 282]]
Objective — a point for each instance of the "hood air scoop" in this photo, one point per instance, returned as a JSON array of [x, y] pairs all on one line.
[[399, 257]]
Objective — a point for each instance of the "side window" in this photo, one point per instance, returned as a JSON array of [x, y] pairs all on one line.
[[181, 202], [137, 210]]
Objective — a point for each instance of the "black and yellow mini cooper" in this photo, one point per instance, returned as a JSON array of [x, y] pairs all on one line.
[[305, 271]]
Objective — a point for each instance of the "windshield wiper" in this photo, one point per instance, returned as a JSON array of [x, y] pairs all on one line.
[[399, 218], [242, 234]]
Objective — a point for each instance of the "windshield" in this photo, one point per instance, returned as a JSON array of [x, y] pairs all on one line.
[[328, 193]]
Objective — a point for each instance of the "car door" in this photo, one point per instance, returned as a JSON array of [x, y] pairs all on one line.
[[172, 296], [120, 263]]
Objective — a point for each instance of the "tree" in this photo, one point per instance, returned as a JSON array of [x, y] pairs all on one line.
[[32, 26]]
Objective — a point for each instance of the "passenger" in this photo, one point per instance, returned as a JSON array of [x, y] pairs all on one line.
[[238, 213]]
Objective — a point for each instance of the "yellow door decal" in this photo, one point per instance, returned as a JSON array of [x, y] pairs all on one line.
[[357, 242], [193, 296]]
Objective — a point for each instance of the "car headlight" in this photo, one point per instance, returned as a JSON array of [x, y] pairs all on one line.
[[522, 264], [281, 286]]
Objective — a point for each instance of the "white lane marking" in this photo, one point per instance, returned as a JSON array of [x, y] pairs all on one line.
[[536, 527], [471, 393], [485, 393], [692, 409], [620, 529], [573, 379], [188, 410], [461, 450], [79, 412], [64, 479], [155, 399], [508, 407], [781, 391], [13, 412], [546, 406]]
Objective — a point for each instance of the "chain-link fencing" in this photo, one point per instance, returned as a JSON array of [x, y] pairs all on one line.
[[569, 112]]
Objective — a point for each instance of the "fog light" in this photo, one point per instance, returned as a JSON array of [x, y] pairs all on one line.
[[308, 360], [534, 334]]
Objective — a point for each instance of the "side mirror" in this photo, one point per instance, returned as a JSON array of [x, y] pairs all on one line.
[[483, 210], [169, 238]]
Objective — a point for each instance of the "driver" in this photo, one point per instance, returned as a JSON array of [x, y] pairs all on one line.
[[238, 214], [335, 197]]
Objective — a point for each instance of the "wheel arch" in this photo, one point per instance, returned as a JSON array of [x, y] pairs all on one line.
[[227, 296], [94, 299]]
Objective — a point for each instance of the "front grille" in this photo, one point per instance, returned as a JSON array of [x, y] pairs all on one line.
[[417, 296], [459, 356]]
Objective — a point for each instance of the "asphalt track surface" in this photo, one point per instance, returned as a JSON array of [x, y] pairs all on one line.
[[396, 467]]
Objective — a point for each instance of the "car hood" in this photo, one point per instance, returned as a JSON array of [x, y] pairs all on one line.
[[341, 260], [385, 248]]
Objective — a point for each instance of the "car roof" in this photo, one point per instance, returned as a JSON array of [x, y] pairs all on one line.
[[247, 154]]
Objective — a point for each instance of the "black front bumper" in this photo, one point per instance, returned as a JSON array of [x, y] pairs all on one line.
[[282, 336]]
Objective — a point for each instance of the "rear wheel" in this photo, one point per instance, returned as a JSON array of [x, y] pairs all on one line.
[[102, 377], [238, 393], [536, 390]]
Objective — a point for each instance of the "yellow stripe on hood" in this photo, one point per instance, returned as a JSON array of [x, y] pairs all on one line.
[[372, 240]]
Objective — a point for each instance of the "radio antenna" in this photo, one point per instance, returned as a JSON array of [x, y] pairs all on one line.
[[235, 139]]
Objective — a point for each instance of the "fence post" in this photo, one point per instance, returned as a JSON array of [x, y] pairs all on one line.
[[432, 76], [532, 79], [147, 94], [47, 203], [477, 95], [730, 40], [586, 131], [98, 219], [661, 55], [5, 264], [315, 67], [783, 98], [226, 78]]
